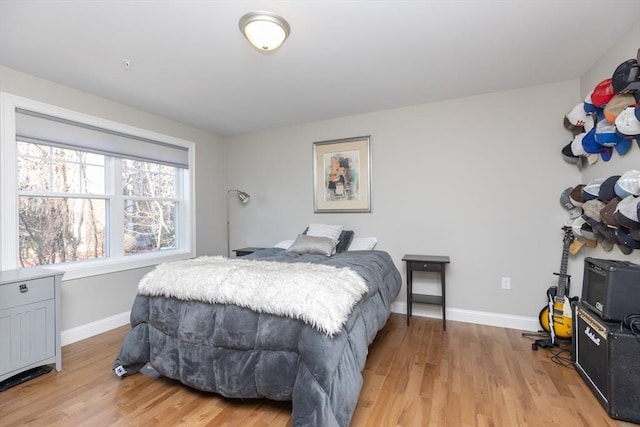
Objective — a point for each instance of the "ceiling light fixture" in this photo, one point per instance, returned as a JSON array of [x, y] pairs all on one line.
[[265, 30]]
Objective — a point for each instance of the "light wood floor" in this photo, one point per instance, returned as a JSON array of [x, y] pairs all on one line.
[[470, 375]]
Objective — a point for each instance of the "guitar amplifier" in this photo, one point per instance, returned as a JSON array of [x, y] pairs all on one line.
[[611, 288], [607, 357]]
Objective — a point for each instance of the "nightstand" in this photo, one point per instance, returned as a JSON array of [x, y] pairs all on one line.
[[245, 251], [30, 319], [426, 263]]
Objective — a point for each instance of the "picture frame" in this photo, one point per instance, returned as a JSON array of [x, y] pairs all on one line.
[[342, 175]]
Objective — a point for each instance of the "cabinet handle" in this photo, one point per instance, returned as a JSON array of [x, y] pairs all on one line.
[[24, 288]]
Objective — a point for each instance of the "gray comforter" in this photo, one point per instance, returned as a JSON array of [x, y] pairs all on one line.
[[236, 352]]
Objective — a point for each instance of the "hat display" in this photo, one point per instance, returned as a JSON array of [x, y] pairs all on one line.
[[626, 212], [628, 122], [626, 77], [605, 211], [602, 93], [628, 184]]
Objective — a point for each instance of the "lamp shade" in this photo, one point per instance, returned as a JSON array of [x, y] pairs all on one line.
[[244, 197], [265, 30]]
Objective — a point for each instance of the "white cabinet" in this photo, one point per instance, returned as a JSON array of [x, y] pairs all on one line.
[[29, 320]]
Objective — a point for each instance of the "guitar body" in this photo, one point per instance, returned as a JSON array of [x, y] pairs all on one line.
[[559, 317]]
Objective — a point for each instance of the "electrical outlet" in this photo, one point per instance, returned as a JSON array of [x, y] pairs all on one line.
[[506, 283]]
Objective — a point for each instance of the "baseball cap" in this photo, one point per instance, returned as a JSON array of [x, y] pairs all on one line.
[[565, 202], [608, 233], [623, 146], [628, 122], [607, 216], [576, 195], [607, 188], [626, 240], [569, 157], [590, 145], [578, 118], [602, 93], [628, 184], [616, 105], [591, 109], [627, 212], [626, 77], [592, 210], [591, 190], [578, 150]]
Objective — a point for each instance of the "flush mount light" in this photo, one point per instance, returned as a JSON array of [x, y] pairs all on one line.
[[265, 30]]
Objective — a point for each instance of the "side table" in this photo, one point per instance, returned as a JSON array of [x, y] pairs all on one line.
[[433, 263]]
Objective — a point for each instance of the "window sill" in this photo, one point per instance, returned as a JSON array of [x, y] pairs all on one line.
[[82, 269]]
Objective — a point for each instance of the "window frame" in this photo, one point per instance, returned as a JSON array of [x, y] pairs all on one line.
[[79, 269]]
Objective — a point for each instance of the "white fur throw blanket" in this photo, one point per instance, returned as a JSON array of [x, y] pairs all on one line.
[[320, 295]]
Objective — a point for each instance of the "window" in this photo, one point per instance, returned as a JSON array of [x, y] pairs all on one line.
[[62, 204], [90, 196], [150, 206]]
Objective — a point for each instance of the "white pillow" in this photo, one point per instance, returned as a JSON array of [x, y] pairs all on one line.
[[324, 230], [284, 244], [362, 244]]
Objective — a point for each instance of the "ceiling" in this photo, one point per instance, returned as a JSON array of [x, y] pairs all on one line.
[[190, 63]]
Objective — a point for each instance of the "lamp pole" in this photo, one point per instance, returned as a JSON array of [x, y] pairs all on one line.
[[244, 198]]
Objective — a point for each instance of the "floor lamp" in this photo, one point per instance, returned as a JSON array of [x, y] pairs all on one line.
[[244, 198]]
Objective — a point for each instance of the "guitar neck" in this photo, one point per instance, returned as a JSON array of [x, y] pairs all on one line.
[[563, 282]]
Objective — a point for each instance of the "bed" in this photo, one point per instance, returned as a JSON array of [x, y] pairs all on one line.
[[240, 350]]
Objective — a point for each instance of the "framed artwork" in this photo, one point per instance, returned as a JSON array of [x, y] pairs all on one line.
[[342, 175]]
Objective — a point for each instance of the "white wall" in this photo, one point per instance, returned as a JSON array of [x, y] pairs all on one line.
[[93, 299], [478, 179]]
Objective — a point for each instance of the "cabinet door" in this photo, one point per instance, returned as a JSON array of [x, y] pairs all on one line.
[[27, 335]]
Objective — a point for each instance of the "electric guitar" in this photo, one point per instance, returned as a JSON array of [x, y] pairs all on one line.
[[556, 317]]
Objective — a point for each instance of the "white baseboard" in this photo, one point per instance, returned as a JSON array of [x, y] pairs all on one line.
[[79, 333], [471, 316], [69, 336]]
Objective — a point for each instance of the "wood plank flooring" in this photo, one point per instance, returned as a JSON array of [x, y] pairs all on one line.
[[471, 375]]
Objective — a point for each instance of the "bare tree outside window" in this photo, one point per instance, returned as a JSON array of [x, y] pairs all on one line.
[[64, 205], [59, 219], [150, 206]]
